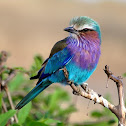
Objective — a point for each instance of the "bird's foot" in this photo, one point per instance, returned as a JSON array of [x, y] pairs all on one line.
[[86, 84], [75, 93], [85, 87], [69, 82]]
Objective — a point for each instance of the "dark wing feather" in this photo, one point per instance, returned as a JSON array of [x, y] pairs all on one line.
[[60, 45]]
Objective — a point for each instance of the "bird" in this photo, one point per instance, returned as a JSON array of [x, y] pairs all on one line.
[[79, 53]]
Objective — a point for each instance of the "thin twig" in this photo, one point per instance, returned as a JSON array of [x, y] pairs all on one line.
[[2, 70], [10, 101], [121, 110], [3, 84], [10, 77], [4, 106]]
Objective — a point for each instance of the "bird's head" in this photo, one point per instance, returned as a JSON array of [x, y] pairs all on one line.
[[84, 26]]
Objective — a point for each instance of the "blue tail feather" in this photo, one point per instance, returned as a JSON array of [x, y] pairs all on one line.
[[32, 94]]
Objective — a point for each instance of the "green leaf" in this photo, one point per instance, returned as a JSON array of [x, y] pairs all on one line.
[[6, 70], [36, 123], [38, 61], [16, 82], [96, 114], [21, 69], [4, 117], [112, 121], [56, 97], [23, 113], [60, 124], [51, 121]]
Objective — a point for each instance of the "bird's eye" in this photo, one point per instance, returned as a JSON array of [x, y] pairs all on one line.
[[85, 30]]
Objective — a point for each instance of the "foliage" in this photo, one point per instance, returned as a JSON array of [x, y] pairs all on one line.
[[4, 117], [23, 113], [46, 109]]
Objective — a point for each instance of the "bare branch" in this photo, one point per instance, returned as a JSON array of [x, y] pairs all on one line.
[[10, 101], [4, 106], [121, 110], [3, 84], [10, 77], [88, 93]]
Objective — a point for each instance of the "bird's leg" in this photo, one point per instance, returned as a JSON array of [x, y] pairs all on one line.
[[84, 86], [86, 89], [66, 74]]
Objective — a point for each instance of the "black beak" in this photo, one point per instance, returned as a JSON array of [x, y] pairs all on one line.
[[70, 29]]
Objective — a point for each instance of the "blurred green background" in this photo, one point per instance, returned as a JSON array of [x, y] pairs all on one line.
[[32, 27]]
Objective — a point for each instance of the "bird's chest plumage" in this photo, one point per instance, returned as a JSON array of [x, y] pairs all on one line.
[[82, 64], [84, 61]]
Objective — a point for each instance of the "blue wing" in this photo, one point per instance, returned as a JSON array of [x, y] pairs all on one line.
[[56, 62], [59, 57]]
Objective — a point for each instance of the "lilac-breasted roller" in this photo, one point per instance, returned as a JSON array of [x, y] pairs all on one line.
[[79, 53]]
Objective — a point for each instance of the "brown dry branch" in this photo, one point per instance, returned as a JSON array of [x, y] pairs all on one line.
[[10, 101], [4, 106], [119, 110], [3, 83], [10, 77]]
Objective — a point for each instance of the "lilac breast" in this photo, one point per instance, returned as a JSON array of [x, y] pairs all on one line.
[[86, 53]]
